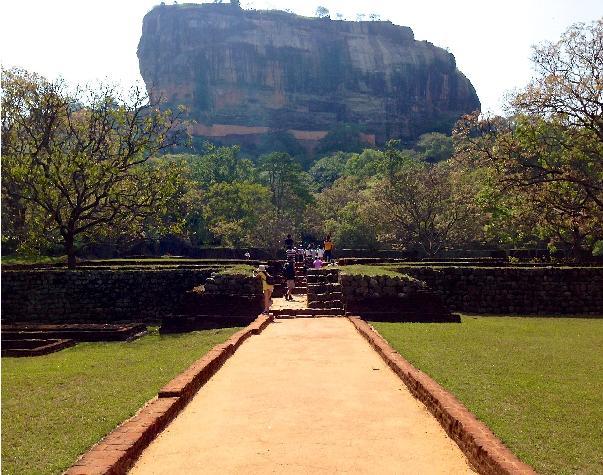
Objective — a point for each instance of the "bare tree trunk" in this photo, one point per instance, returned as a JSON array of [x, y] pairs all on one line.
[[70, 250], [578, 253]]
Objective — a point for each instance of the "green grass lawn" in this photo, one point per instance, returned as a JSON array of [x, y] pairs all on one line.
[[54, 407], [21, 260], [371, 270], [238, 269], [536, 382]]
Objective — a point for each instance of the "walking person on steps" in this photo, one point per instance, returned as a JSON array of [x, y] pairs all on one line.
[[289, 272], [289, 242], [267, 285]]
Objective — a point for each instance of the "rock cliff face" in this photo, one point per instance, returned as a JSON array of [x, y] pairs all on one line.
[[271, 70]]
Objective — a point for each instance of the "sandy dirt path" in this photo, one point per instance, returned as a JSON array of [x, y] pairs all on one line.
[[299, 302], [305, 396]]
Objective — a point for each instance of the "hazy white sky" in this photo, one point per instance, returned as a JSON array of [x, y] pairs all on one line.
[[491, 40]]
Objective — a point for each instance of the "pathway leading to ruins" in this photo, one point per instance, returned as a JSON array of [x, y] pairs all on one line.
[[305, 396]]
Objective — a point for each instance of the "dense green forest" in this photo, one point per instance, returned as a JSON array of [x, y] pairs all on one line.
[[84, 167]]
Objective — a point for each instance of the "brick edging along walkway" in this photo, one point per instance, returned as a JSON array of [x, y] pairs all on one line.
[[118, 451], [484, 450]]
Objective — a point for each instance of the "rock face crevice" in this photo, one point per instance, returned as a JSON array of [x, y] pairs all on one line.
[[283, 71]]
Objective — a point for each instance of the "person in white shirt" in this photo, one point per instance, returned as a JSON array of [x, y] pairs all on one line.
[[320, 253], [290, 254]]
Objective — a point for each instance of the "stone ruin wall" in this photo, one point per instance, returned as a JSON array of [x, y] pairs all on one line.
[[101, 295], [105, 295], [393, 299], [545, 291], [357, 287]]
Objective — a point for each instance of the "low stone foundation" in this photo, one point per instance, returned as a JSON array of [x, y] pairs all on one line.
[[74, 331], [223, 301], [393, 299], [513, 290], [357, 287], [34, 347], [101, 295]]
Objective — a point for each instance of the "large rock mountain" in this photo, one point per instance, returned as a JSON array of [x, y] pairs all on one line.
[[246, 72]]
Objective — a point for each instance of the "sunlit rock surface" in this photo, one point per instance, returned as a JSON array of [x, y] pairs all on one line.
[[247, 72]]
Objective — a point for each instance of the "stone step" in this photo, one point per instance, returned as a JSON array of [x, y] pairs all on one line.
[[315, 295], [325, 303], [306, 312], [322, 280], [324, 271], [330, 285], [326, 296]]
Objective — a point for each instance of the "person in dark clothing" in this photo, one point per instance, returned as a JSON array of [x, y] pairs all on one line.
[[289, 273], [288, 242]]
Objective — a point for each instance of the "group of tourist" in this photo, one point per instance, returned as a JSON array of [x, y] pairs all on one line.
[[310, 256]]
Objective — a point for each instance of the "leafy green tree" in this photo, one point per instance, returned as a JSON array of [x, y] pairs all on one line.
[[549, 152], [345, 212], [435, 147], [425, 206], [541, 161], [219, 165], [354, 227], [286, 181], [325, 171], [182, 216], [77, 161], [282, 141], [376, 163], [236, 211], [567, 85], [365, 165], [342, 138], [509, 218]]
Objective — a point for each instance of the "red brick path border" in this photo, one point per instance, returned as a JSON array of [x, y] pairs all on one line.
[[484, 450], [118, 451]]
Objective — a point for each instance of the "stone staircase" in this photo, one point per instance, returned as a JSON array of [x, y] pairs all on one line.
[[305, 312], [324, 290], [301, 285]]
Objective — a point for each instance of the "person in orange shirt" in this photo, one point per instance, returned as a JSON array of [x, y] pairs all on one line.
[[328, 246]]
